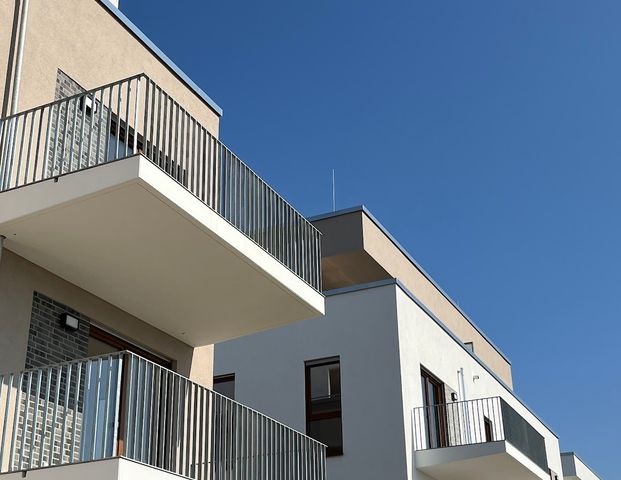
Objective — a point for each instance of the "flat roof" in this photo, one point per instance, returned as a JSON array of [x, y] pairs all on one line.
[[133, 29], [365, 210]]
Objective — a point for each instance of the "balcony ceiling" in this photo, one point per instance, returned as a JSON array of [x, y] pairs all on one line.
[[131, 235], [485, 461]]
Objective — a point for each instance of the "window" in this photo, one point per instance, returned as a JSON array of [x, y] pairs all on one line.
[[469, 346], [433, 400], [225, 385], [323, 403], [489, 429], [102, 342]]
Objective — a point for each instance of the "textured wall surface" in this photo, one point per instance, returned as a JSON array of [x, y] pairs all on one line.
[[48, 341]]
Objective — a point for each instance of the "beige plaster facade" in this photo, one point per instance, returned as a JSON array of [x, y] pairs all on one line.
[[91, 45], [356, 250], [19, 279]]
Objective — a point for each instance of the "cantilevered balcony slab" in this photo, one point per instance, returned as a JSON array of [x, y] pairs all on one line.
[[132, 235], [483, 461]]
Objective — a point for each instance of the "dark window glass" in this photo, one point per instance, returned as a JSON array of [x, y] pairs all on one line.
[[225, 385], [323, 403]]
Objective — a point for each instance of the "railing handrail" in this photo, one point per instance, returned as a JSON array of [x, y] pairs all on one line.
[[146, 77], [123, 405], [186, 379], [248, 203], [458, 402], [121, 353], [73, 97]]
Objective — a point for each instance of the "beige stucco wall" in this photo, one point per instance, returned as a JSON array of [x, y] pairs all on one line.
[[356, 251], [19, 278], [82, 38]]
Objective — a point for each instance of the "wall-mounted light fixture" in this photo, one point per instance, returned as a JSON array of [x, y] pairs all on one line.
[[69, 322], [475, 378]]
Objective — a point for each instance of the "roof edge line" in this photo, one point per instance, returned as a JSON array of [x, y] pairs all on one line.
[[421, 305], [365, 210], [129, 25]]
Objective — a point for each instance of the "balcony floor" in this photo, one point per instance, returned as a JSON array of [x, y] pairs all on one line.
[[484, 461], [128, 233]]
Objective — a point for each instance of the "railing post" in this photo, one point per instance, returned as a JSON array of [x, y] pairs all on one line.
[[122, 405]]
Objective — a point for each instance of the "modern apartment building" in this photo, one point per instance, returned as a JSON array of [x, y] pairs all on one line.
[[131, 240], [395, 379]]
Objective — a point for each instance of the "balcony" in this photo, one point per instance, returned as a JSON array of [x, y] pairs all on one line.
[[120, 191], [480, 439], [121, 407]]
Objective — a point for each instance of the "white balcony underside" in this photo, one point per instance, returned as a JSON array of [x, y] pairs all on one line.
[[108, 469], [128, 233], [484, 461]]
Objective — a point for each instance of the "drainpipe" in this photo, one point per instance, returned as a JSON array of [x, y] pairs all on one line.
[[20, 55]]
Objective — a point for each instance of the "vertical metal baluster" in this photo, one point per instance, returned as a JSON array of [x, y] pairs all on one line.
[[147, 415], [91, 127], [187, 159], [34, 418], [107, 405], [165, 127], [171, 130], [146, 140], [106, 155], [76, 404], [82, 125], [96, 417], [5, 422], [200, 419], [127, 106], [21, 149], [63, 433], [13, 131], [117, 404], [156, 394], [157, 140], [73, 129], [131, 407], [15, 419], [174, 137], [119, 94], [139, 412], [154, 89], [58, 156], [29, 150], [136, 117], [165, 432], [3, 159], [25, 426]]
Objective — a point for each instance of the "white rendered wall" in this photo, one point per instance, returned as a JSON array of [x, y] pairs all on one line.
[[423, 342], [383, 337], [360, 327]]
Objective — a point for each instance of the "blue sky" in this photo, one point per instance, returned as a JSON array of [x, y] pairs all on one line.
[[485, 135]]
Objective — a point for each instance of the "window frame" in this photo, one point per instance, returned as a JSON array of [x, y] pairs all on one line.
[[310, 417], [225, 377]]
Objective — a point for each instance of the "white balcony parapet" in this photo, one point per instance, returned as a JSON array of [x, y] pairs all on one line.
[[124, 406], [134, 116]]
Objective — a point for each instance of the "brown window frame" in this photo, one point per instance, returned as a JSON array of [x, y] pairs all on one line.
[[440, 409], [310, 417], [122, 344]]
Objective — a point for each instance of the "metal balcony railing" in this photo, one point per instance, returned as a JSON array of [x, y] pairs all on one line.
[[122, 405], [133, 116], [477, 421]]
